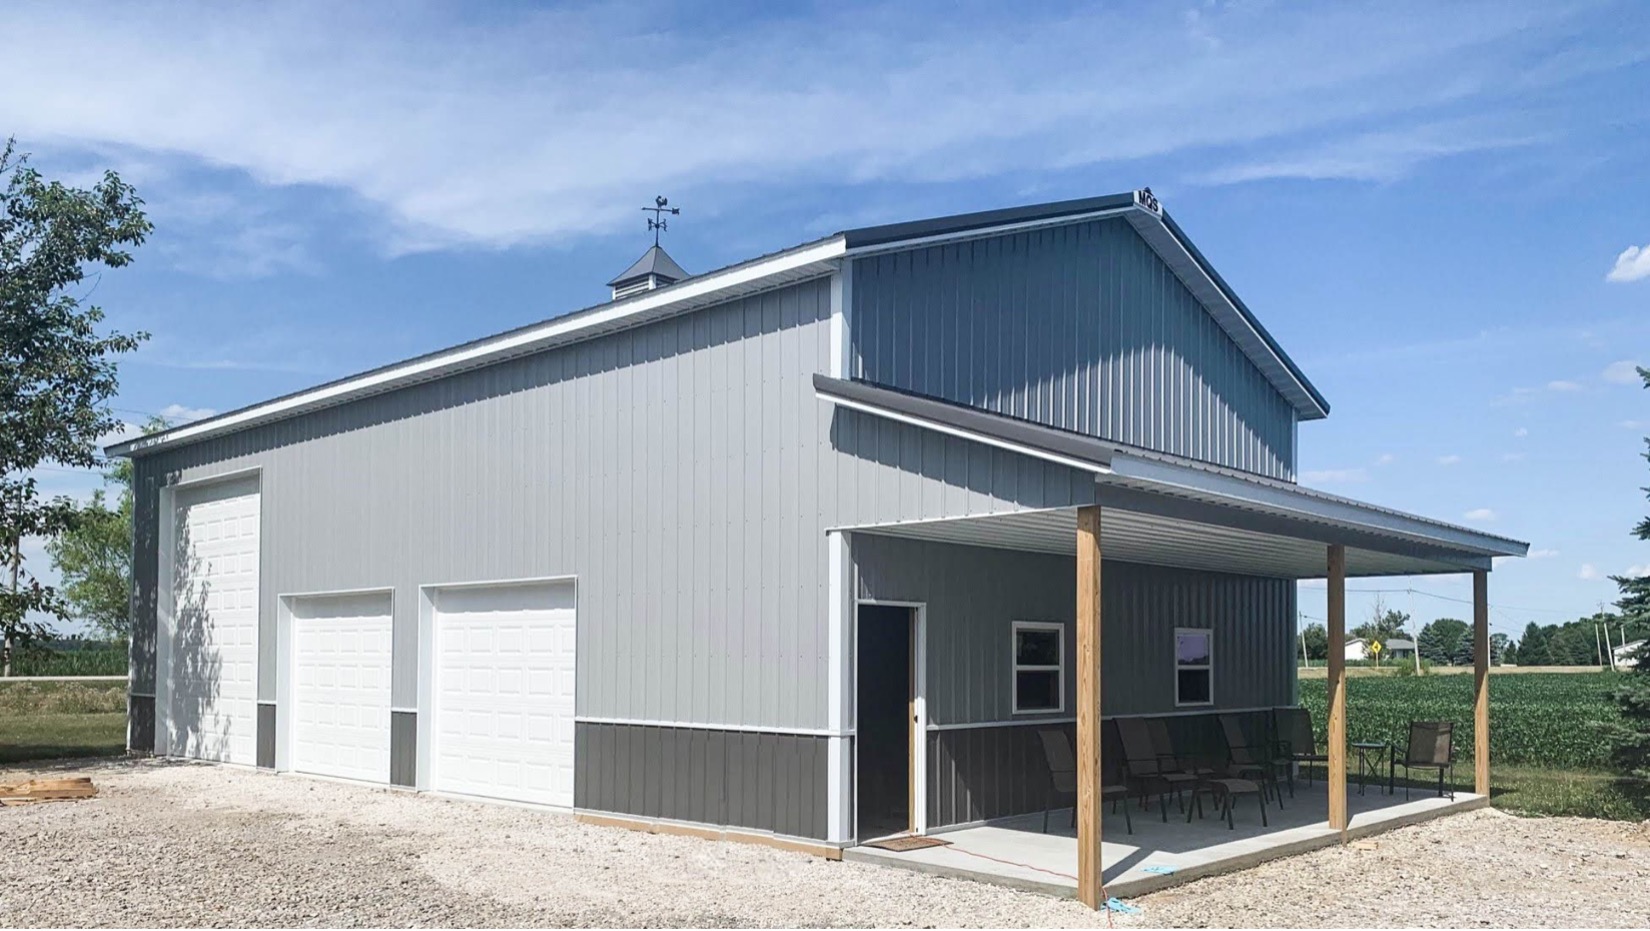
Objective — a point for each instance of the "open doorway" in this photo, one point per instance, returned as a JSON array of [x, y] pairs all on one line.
[[885, 700]]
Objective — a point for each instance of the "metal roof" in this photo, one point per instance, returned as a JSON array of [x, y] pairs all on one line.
[[655, 261], [774, 270], [1175, 511]]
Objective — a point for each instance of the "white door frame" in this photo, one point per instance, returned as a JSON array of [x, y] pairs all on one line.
[[919, 698], [424, 779], [286, 673], [166, 594]]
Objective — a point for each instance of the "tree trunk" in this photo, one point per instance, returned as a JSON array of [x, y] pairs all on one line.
[[5, 647]]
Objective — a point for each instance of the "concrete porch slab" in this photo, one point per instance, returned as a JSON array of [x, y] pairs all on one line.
[[1014, 852]]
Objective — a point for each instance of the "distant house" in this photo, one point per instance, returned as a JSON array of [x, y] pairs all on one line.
[[1357, 650], [1398, 648], [1626, 652]]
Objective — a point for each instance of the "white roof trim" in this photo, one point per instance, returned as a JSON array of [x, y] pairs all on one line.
[[1302, 503], [529, 339], [923, 422]]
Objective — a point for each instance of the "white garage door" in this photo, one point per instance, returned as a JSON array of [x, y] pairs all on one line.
[[212, 660], [503, 690], [340, 717]]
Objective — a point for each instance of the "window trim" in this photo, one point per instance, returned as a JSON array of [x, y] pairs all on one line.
[[1209, 666], [1014, 667]]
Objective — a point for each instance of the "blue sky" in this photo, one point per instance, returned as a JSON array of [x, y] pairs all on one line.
[[1433, 207]]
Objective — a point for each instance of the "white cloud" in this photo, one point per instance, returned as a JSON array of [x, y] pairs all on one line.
[[1480, 514], [1521, 432], [1631, 265], [1625, 372], [1636, 572], [1542, 553], [120, 434], [1449, 460], [1563, 385], [1589, 573], [1334, 476], [1636, 424], [178, 414], [449, 127], [1385, 459], [1512, 457]]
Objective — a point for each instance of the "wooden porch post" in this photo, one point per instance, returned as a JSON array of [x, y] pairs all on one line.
[[1089, 866], [1481, 682], [1337, 687]]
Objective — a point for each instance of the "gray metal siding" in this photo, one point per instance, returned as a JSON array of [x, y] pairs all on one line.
[[768, 782], [683, 471], [1081, 327], [140, 724], [267, 713], [974, 594], [403, 748]]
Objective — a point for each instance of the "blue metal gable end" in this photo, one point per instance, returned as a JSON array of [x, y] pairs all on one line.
[[1168, 239]]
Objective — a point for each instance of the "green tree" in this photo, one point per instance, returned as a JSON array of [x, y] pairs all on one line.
[[1499, 645], [94, 557], [1630, 739], [1383, 624], [1438, 640], [57, 362], [1316, 639], [1532, 647]]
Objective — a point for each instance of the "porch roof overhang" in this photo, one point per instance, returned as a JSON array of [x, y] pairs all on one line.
[[1169, 510]]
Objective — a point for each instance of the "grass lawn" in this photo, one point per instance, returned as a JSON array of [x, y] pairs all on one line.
[[1533, 790], [54, 720]]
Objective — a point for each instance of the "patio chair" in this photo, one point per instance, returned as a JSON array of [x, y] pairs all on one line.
[[1223, 791], [1248, 760], [1298, 741], [1149, 770], [1062, 778], [1431, 745]]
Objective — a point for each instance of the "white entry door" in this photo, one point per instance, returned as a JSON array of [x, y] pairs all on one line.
[[212, 635], [502, 691], [340, 668]]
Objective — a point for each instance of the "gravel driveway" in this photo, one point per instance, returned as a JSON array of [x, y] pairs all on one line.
[[183, 844]]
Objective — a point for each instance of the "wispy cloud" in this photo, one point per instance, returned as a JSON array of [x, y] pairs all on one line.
[[1512, 457], [1541, 553], [1563, 385], [1385, 459], [1625, 372], [1449, 460], [1636, 571], [1521, 432], [1635, 424], [1335, 476], [1632, 264], [179, 414], [444, 126], [1589, 573], [1480, 514]]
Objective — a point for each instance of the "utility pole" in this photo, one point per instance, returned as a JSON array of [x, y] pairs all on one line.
[[15, 558], [1596, 647]]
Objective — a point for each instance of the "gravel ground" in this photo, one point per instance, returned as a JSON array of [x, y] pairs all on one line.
[[194, 845]]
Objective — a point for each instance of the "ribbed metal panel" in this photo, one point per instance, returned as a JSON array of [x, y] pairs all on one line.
[[403, 748], [1081, 327], [770, 782], [684, 472], [974, 594], [266, 735], [140, 724]]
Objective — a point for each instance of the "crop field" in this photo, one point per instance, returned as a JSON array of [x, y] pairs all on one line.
[[1536, 719]]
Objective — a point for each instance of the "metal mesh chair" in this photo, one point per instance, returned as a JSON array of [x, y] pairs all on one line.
[[1249, 760], [1431, 745], [1150, 770], [1299, 741], [1062, 777]]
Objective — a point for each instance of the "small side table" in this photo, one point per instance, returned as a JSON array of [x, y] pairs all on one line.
[[1367, 764]]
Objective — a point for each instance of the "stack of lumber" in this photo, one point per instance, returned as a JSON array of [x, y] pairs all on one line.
[[47, 790]]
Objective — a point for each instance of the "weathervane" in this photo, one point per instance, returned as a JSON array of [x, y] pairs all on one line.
[[657, 223]]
